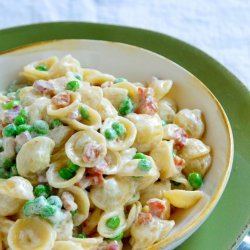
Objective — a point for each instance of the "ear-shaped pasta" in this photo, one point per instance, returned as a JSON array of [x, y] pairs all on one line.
[[142, 179], [191, 121], [106, 109], [89, 243], [149, 131], [113, 160], [124, 141], [93, 121], [127, 155], [155, 190], [132, 216], [131, 88], [5, 225], [107, 232], [59, 155], [31, 73], [182, 182], [194, 149], [114, 193], [28, 95], [145, 235], [96, 77], [133, 198], [64, 229], [160, 87], [199, 165], [31, 233], [183, 198], [38, 110], [57, 111], [66, 64], [165, 111], [163, 157], [13, 193], [34, 156], [115, 95], [92, 96], [89, 226], [86, 148], [67, 245], [56, 181], [82, 200], [60, 135]]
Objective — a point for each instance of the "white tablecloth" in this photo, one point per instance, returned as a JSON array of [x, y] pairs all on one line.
[[219, 27]]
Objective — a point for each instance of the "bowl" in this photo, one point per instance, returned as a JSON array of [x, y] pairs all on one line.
[[137, 64]]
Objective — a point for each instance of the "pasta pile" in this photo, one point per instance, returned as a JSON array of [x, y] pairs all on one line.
[[90, 161]]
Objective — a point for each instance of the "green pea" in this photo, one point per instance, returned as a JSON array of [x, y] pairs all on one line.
[[55, 123], [81, 236], [28, 208], [113, 222], [119, 128], [23, 113], [144, 165], [42, 67], [40, 127], [48, 211], [110, 134], [20, 120], [11, 104], [65, 174], [13, 171], [120, 79], [10, 130], [55, 201], [74, 213], [195, 180], [39, 203], [22, 128], [163, 123], [42, 189], [84, 113], [126, 107], [139, 156], [117, 237], [72, 167], [73, 85]]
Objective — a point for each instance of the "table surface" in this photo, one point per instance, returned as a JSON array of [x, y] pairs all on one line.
[[220, 28]]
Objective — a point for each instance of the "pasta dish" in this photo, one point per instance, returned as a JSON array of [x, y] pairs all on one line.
[[89, 161]]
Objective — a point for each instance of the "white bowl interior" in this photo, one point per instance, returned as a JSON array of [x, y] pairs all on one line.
[[137, 64]]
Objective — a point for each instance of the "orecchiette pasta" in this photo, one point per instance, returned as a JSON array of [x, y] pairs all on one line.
[[160, 87], [114, 193], [82, 200], [191, 121], [108, 232], [86, 148], [163, 156], [89, 161], [34, 156], [123, 141], [56, 181], [13, 193], [149, 131], [33, 233]]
